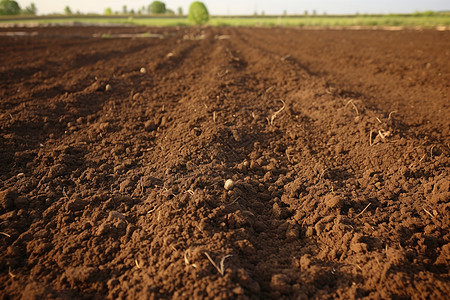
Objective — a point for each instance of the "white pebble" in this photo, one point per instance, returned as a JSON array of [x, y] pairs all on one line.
[[143, 70], [107, 87], [229, 184]]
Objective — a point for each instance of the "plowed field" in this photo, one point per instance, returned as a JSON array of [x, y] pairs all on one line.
[[115, 150]]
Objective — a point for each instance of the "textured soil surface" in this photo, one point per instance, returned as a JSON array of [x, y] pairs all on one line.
[[115, 150]]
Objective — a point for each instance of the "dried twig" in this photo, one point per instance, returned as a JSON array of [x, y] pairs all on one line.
[[222, 261], [270, 89], [222, 73], [222, 37], [428, 213], [384, 134], [285, 57], [363, 210], [186, 260], [234, 201], [220, 269], [65, 194], [390, 114], [323, 173], [272, 118], [5, 234], [11, 273], [354, 106], [137, 264]]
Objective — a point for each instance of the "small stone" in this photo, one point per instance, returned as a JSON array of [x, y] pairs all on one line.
[[108, 88], [143, 70], [113, 215], [229, 184], [150, 125]]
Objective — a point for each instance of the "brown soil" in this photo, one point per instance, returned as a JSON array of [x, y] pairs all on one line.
[[344, 193]]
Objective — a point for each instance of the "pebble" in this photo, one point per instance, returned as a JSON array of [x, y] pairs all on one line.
[[229, 184], [150, 125], [115, 215], [108, 87]]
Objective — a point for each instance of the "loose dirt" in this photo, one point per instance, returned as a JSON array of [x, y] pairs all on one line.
[[336, 142]]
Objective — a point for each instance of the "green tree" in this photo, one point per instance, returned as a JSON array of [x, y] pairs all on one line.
[[180, 11], [67, 10], [198, 13], [30, 10], [124, 9], [9, 7], [157, 7], [108, 11]]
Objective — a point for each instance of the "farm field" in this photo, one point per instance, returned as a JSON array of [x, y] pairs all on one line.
[[421, 20], [116, 143]]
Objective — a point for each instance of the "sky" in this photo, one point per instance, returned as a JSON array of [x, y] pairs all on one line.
[[249, 7]]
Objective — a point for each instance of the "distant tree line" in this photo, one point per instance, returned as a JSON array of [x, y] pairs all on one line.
[[11, 8], [198, 13], [154, 8]]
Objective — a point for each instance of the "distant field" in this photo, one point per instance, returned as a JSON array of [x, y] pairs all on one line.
[[411, 20]]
